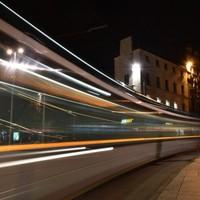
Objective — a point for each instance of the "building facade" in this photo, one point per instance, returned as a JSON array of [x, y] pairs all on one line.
[[153, 76]]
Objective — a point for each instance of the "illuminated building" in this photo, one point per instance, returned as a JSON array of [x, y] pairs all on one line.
[[153, 76]]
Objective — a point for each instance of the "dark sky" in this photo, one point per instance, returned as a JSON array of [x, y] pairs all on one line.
[[166, 28]]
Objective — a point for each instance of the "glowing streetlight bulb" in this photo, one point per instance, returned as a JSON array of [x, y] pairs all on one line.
[[136, 66], [9, 51], [20, 50], [189, 65]]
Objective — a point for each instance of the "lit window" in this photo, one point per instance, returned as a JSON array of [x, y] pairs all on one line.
[[158, 100], [167, 103], [148, 96], [175, 105]]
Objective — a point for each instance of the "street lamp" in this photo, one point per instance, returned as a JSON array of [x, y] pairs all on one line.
[[194, 85], [136, 76], [11, 52], [189, 65]]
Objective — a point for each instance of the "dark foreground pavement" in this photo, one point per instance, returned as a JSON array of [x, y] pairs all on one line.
[[177, 177]]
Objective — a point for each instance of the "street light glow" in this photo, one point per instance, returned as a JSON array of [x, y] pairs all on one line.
[[189, 65], [20, 50], [9, 52], [136, 67], [135, 79]]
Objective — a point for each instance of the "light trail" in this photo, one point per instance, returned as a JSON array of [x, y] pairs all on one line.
[[53, 157], [6, 64], [61, 46], [147, 105], [52, 96], [67, 111], [67, 77], [42, 152], [28, 129], [12, 148]]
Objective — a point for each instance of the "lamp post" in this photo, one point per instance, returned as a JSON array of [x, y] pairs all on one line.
[[194, 85], [13, 53]]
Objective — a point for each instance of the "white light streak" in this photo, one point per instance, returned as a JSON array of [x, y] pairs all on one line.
[[62, 47], [52, 157], [22, 68], [48, 95], [73, 79], [43, 152], [65, 49]]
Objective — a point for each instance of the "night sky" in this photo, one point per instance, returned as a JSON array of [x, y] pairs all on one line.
[[92, 29]]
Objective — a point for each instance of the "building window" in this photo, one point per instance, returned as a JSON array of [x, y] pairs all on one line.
[[147, 79], [167, 103], [181, 74], [158, 100], [126, 79], [158, 82], [166, 66], [148, 96], [175, 105], [157, 63], [147, 58], [173, 69], [174, 88], [183, 107], [182, 89], [166, 85]]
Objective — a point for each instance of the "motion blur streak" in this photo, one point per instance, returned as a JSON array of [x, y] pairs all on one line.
[[48, 95], [58, 44], [11, 148], [6, 63], [43, 152], [71, 78], [40, 159]]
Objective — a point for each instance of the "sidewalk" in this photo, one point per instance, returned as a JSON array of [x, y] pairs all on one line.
[[186, 185]]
